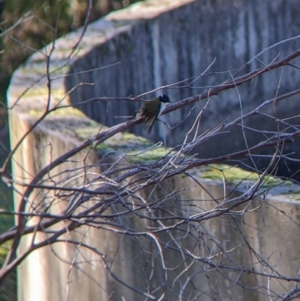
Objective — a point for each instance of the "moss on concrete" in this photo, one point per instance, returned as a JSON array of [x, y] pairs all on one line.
[[63, 111], [232, 174], [147, 155]]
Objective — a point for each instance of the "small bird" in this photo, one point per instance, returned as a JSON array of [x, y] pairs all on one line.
[[151, 109]]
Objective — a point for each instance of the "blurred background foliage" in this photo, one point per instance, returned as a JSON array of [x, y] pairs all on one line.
[[25, 27], [42, 21]]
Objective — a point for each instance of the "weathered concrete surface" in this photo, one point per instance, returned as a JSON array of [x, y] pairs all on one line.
[[164, 48], [153, 46]]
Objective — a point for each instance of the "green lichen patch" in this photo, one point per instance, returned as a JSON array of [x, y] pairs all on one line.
[[43, 92], [124, 143], [147, 154], [69, 112], [134, 149], [104, 149], [232, 175]]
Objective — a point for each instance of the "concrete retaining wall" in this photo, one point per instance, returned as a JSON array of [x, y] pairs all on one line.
[[152, 44], [173, 46]]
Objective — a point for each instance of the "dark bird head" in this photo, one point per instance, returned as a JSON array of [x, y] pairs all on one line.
[[164, 98]]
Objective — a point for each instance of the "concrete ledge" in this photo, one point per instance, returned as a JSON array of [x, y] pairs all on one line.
[[146, 33]]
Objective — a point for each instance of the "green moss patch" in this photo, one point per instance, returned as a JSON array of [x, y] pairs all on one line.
[[146, 155], [233, 175]]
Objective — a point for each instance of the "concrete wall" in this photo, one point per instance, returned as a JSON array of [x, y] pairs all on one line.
[[156, 43], [171, 47]]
